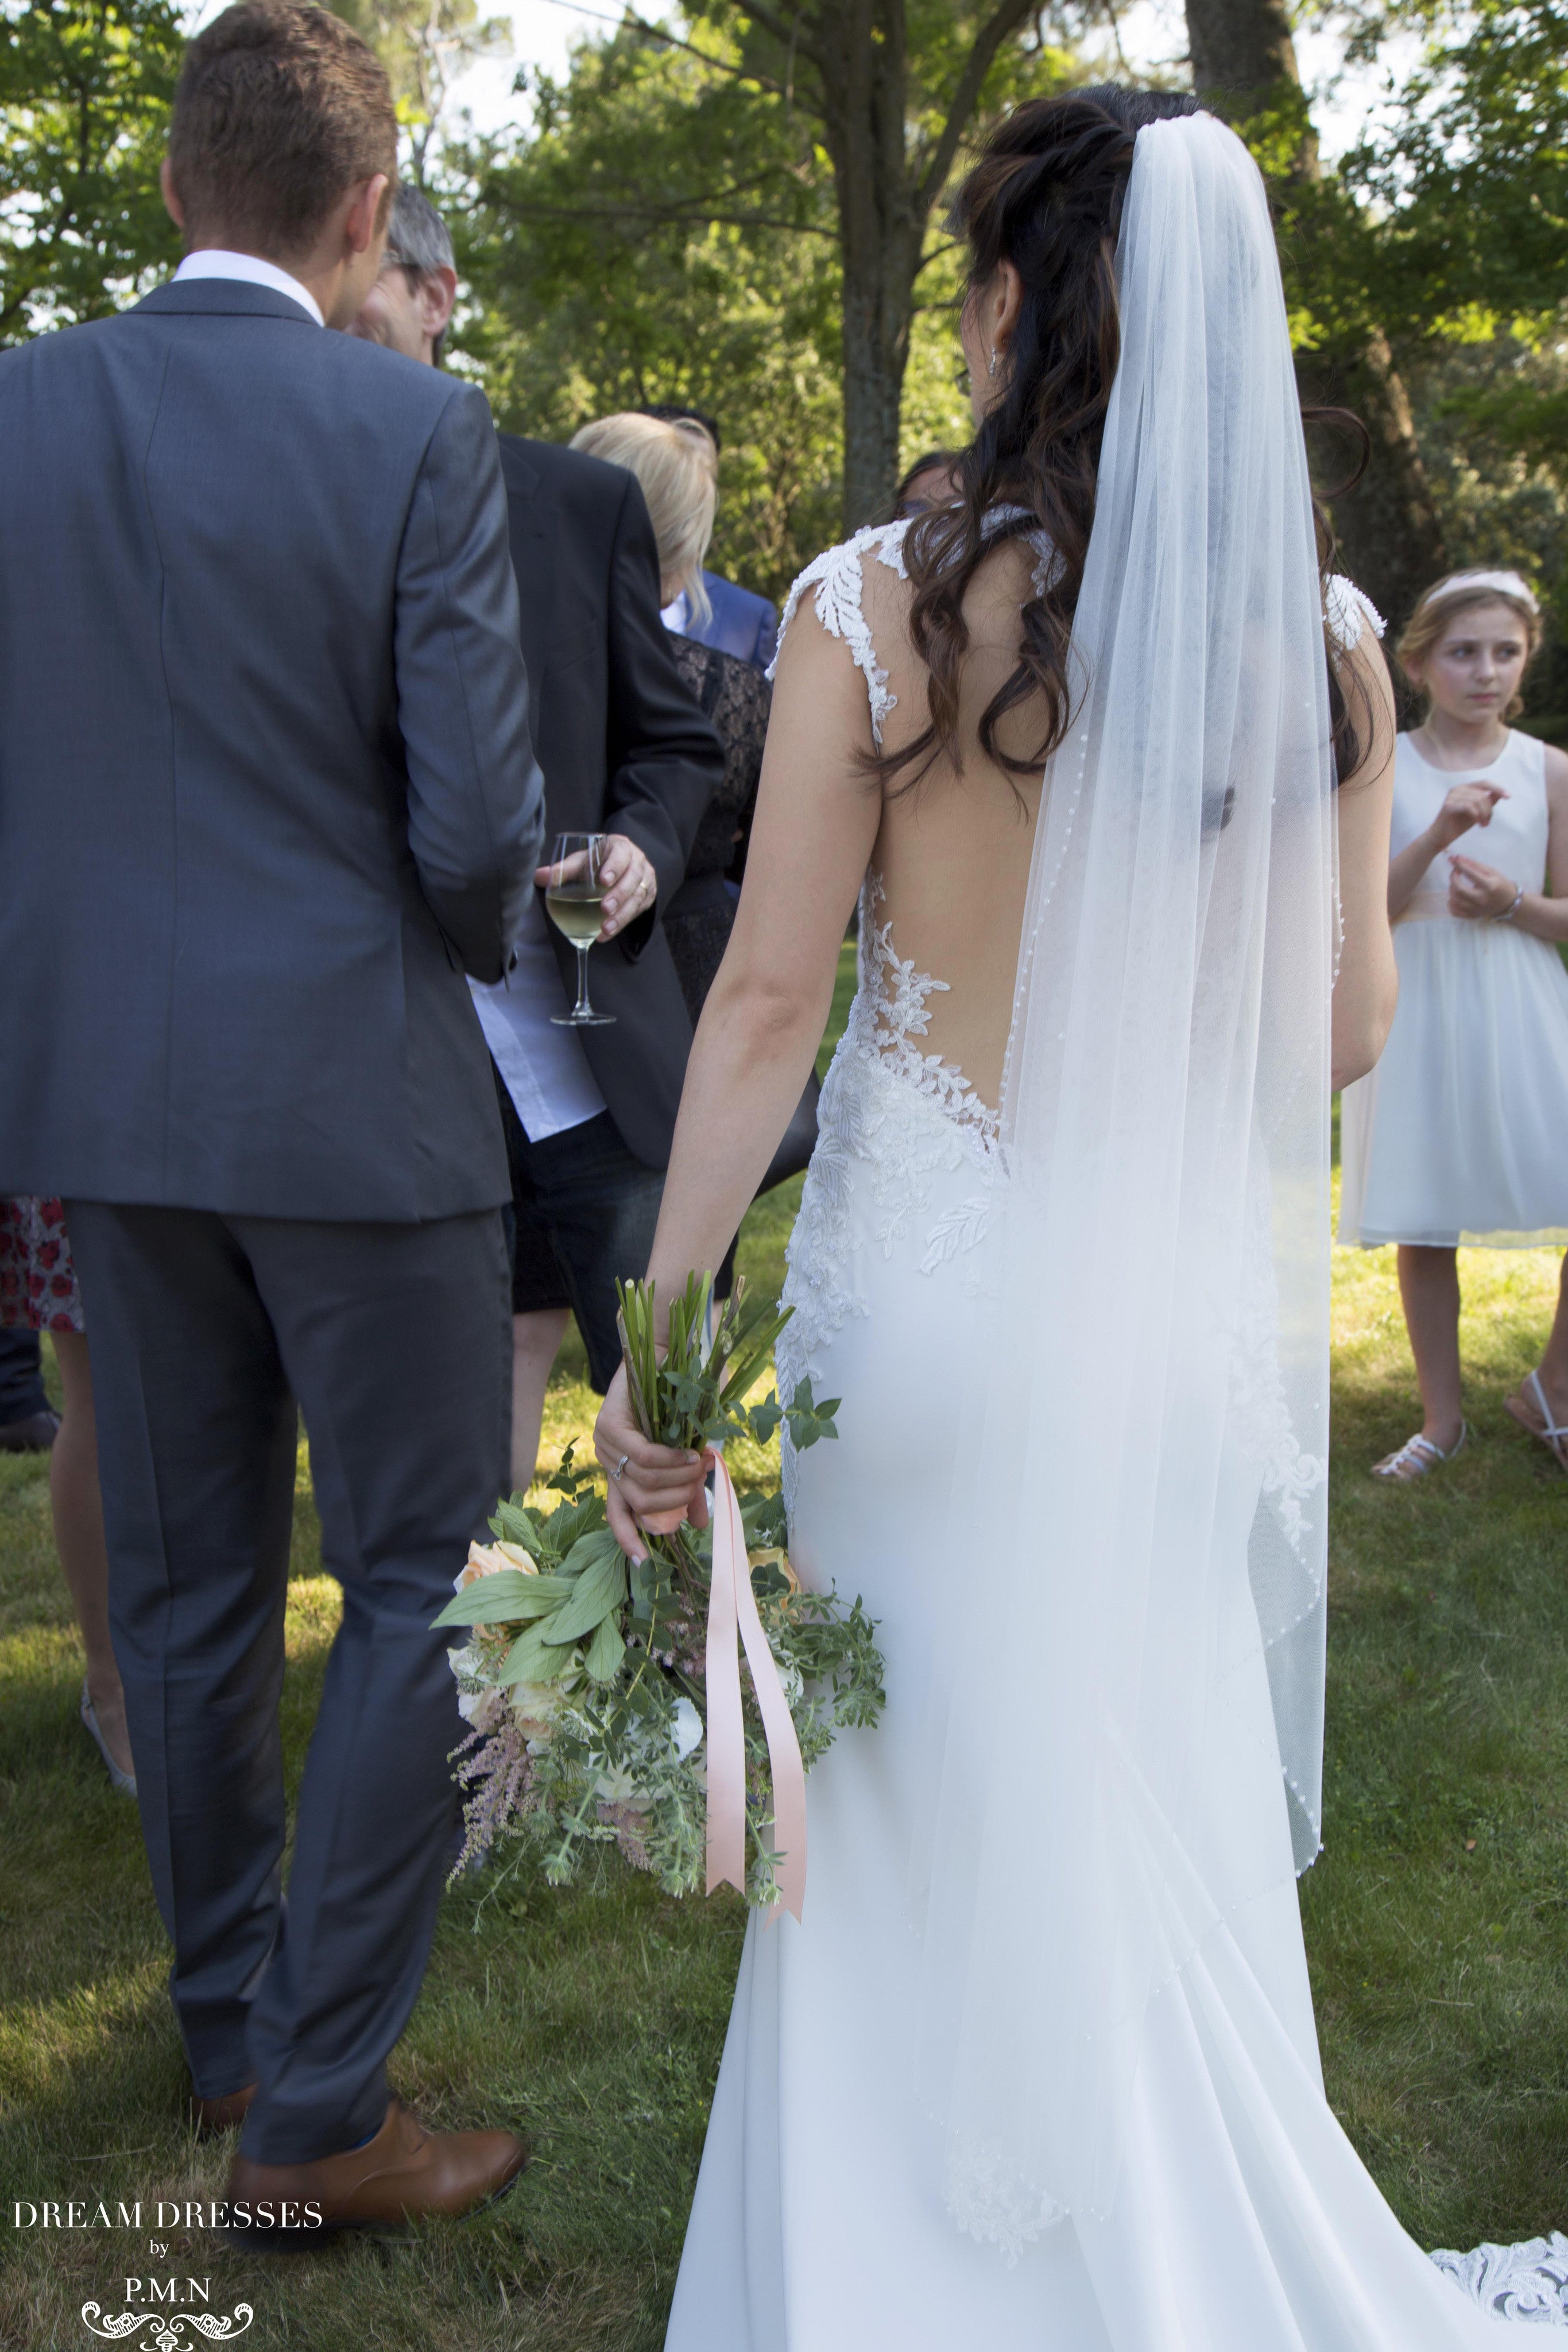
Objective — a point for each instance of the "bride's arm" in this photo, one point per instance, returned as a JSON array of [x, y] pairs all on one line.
[[1367, 986], [816, 823]]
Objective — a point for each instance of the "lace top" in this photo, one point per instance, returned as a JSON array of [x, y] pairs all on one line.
[[838, 577], [735, 697]]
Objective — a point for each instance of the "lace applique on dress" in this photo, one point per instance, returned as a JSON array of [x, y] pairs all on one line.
[[890, 1013], [838, 577], [890, 1120]]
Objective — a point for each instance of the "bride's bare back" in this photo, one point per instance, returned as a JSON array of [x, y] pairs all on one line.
[[948, 863]]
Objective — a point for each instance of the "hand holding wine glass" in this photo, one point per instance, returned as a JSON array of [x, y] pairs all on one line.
[[575, 888]]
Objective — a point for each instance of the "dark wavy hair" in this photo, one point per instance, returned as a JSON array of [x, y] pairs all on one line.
[[1047, 196]]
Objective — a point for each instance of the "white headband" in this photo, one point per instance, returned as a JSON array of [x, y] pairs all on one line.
[[1507, 584]]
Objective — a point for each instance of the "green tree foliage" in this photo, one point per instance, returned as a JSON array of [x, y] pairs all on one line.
[[85, 90], [1467, 192], [425, 45], [667, 229], [656, 236]]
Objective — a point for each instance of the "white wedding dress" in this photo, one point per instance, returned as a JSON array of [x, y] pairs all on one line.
[[1038, 2072]]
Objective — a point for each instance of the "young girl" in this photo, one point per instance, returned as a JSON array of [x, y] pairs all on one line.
[[1461, 1131]]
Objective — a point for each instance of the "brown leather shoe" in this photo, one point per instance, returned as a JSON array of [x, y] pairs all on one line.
[[211, 2116], [401, 2174]]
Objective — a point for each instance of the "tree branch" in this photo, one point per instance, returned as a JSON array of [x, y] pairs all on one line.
[[789, 34], [651, 215], [1003, 20], [629, 21]]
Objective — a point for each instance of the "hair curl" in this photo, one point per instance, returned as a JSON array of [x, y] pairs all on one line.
[[1047, 196]]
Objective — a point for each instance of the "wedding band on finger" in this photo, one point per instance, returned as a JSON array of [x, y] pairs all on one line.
[[619, 1467]]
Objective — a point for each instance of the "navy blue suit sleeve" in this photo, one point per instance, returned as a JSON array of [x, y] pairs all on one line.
[[476, 797], [664, 760]]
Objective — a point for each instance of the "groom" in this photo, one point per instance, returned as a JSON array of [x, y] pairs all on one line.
[[266, 795]]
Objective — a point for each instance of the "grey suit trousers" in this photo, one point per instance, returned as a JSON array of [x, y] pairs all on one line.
[[204, 1330]]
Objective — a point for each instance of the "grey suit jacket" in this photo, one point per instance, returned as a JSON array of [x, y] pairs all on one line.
[[266, 788]]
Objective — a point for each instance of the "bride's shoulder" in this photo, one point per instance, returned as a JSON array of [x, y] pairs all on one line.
[[837, 578], [1349, 612]]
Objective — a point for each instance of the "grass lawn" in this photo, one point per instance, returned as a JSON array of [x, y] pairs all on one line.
[[1437, 1920]]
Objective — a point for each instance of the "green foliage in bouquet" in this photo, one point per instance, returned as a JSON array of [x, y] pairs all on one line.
[[583, 1676]]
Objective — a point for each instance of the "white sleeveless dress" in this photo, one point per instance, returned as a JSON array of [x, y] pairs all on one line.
[[1460, 1133], [1245, 2222]]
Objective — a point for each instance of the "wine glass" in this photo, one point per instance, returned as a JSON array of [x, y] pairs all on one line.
[[574, 900]]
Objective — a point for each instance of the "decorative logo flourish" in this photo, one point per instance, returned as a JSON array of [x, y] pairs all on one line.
[[166, 2326]]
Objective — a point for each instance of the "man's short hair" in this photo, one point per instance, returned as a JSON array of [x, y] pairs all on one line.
[[280, 108], [418, 242], [417, 236]]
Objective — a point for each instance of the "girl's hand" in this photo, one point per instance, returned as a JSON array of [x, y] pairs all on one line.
[[1478, 892], [1465, 805], [652, 1486]]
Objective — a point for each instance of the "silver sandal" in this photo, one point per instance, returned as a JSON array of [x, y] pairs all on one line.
[[125, 1783], [1552, 1434], [1417, 1457]]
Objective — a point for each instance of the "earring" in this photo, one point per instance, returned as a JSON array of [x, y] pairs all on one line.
[[993, 366]]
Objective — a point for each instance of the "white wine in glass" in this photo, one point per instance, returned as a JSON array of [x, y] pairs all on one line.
[[574, 900]]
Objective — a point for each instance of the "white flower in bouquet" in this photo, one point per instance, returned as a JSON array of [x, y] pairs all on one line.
[[536, 1708]]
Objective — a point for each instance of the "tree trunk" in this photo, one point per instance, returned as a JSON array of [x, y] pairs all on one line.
[[887, 176], [1389, 532], [1240, 45], [863, 78], [1390, 537]]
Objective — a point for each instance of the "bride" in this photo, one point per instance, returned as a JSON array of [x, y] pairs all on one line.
[[1039, 2071]]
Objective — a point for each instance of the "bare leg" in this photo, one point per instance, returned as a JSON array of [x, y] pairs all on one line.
[[1429, 1287], [1552, 1374], [78, 1510], [535, 1339]]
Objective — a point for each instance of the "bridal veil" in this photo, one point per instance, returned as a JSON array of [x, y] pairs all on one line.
[[1137, 1540]]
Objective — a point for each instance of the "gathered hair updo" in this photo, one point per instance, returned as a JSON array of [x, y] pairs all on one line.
[[1045, 195]]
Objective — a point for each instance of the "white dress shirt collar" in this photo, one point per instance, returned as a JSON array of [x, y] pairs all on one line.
[[251, 270]]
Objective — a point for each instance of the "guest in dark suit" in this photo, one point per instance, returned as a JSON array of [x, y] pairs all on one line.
[[264, 731], [589, 1114], [736, 620]]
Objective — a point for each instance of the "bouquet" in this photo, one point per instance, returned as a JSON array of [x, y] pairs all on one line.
[[606, 1696]]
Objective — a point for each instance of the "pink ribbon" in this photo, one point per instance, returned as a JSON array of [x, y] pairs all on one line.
[[732, 1605]]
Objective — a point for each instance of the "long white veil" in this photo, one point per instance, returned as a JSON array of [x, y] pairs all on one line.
[[1139, 1535]]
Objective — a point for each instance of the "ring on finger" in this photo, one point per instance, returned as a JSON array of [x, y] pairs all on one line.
[[620, 1468]]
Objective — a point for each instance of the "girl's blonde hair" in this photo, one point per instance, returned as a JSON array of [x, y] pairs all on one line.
[[1465, 592], [678, 471]]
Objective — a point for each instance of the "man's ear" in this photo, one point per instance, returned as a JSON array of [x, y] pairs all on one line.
[[368, 213], [438, 293], [171, 204]]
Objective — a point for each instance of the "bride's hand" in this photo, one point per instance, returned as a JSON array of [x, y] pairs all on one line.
[[652, 1486]]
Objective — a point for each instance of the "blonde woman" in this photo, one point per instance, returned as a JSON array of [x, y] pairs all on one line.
[[678, 468], [1461, 1131]]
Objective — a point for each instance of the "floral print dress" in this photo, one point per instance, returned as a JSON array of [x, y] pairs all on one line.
[[37, 1281]]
